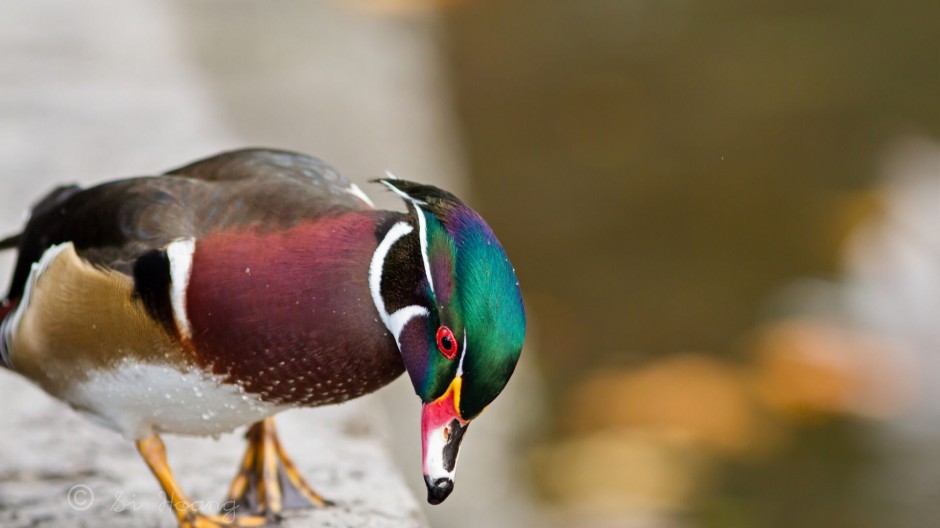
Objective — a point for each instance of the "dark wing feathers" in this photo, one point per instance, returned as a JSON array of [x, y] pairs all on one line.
[[113, 224], [45, 206], [247, 164]]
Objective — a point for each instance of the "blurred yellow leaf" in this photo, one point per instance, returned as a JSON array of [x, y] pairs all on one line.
[[808, 367], [392, 7], [621, 471], [705, 398]]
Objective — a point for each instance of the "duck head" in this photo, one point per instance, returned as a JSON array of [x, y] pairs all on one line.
[[446, 291]]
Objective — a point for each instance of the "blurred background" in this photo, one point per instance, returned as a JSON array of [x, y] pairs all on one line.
[[725, 217]]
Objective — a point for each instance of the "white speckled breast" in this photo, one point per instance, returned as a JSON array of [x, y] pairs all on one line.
[[138, 400]]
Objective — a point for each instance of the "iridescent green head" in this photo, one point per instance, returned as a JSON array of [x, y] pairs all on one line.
[[448, 293]]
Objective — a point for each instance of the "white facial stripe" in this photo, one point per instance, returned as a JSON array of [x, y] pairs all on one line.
[[399, 192], [180, 254], [423, 236], [398, 320], [12, 322], [357, 192], [422, 225], [434, 457], [463, 354], [378, 262]]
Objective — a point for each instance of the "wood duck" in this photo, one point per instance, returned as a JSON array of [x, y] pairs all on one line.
[[223, 292]]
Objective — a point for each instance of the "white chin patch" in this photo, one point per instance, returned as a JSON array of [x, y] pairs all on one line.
[[434, 456]]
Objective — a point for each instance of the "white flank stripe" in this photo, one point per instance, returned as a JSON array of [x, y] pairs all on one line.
[[357, 192], [180, 254], [12, 322]]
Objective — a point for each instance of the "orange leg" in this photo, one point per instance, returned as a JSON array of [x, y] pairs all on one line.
[[268, 481], [186, 511]]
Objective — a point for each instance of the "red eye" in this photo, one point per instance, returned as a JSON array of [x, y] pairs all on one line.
[[446, 342]]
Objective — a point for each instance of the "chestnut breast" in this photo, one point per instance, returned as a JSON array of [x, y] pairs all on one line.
[[288, 314]]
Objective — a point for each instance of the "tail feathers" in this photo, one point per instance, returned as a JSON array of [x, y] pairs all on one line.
[[49, 203], [11, 242]]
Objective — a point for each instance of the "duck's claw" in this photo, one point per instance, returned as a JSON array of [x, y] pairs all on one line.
[[198, 520], [187, 511], [268, 482]]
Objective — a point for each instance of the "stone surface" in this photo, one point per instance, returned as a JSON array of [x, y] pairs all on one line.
[[95, 90], [59, 470]]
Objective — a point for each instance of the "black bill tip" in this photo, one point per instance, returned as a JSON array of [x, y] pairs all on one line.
[[439, 489]]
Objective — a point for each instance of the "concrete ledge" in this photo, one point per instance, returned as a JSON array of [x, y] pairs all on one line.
[[99, 90], [61, 471]]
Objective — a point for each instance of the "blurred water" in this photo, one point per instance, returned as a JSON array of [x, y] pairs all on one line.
[[732, 333]]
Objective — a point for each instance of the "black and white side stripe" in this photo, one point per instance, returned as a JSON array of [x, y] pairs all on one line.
[[395, 322]]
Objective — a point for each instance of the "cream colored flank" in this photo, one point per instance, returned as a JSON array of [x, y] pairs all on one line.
[[82, 336]]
